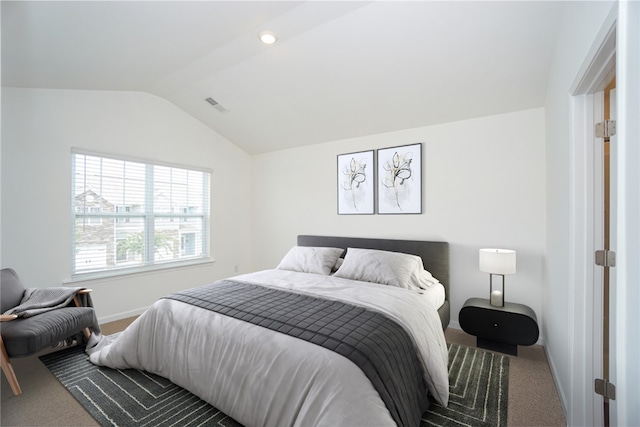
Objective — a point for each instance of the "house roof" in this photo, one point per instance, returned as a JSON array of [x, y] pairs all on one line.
[[340, 69]]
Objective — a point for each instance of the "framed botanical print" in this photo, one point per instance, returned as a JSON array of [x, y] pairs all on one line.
[[356, 183], [400, 179]]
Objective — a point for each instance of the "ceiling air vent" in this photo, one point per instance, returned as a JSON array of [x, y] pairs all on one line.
[[216, 105]]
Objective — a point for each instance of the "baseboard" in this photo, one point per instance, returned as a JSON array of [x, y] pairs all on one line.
[[554, 375], [454, 324], [123, 315]]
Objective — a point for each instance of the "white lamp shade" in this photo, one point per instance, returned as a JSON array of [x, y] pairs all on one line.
[[498, 261]]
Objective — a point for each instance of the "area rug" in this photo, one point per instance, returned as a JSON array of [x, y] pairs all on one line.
[[478, 390], [478, 382]]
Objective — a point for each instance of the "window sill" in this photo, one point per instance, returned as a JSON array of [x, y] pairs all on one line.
[[134, 271]]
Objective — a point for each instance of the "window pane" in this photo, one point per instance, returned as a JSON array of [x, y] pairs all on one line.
[[178, 238], [113, 182], [178, 190], [108, 244], [130, 242], [87, 184]]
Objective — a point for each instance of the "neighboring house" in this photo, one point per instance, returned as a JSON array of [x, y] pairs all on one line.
[[109, 235], [94, 235]]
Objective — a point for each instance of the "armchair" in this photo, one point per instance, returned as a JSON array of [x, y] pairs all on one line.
[[25, 336]]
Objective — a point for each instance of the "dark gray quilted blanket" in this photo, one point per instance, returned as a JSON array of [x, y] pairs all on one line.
[[377, 344]]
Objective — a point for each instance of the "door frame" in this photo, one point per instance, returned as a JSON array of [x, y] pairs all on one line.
[[620, 27], [627, 292], [586, 181]]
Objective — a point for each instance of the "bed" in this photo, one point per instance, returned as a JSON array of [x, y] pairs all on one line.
[[265, 371]]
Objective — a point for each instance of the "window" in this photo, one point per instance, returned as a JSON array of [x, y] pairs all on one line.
[[133, 215]]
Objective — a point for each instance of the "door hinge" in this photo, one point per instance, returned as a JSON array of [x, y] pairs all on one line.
[[605, 388], [606, 258], [606, 129]]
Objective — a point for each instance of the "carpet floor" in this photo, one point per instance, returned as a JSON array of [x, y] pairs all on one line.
[[478, 393]]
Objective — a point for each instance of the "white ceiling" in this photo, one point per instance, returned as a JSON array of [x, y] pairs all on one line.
[[340, 69]]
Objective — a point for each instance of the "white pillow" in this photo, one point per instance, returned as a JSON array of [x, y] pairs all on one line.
[[307, 259], [387, 268]]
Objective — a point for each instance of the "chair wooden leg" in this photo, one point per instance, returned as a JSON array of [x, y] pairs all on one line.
[[8, 370]]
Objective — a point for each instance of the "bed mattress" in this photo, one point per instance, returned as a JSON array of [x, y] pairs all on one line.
[[264, 378]]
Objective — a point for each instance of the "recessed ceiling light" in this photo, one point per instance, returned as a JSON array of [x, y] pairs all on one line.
[[267, 37]]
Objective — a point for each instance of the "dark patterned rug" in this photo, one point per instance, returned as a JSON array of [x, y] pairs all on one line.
[[478, 393], [478, 390]]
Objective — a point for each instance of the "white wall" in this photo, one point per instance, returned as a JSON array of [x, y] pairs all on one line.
[[39, 127], [483, 186], [580, 24]]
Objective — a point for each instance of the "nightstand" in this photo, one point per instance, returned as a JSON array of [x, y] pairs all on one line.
[[501, 329]]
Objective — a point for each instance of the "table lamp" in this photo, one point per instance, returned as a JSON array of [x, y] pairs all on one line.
[[499, 262]]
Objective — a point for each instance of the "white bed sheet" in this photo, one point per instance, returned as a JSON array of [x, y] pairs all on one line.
[[265, 378]]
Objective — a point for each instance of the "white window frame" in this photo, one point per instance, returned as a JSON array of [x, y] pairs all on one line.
[[148, 216]]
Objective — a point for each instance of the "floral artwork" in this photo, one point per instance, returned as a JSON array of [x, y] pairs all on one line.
[[400, 180], [356, 183]]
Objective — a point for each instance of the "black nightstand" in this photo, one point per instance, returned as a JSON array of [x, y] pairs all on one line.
[[501, 329]]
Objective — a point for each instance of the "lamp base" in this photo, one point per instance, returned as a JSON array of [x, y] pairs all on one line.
[[497, 299]]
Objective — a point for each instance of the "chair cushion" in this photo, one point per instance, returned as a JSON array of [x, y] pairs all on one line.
[[26, 336], [12, 290]]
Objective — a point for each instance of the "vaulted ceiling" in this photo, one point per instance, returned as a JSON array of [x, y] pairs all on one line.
[[339, 69]]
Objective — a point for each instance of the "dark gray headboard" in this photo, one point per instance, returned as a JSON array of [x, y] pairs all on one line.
[[435, 255]]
